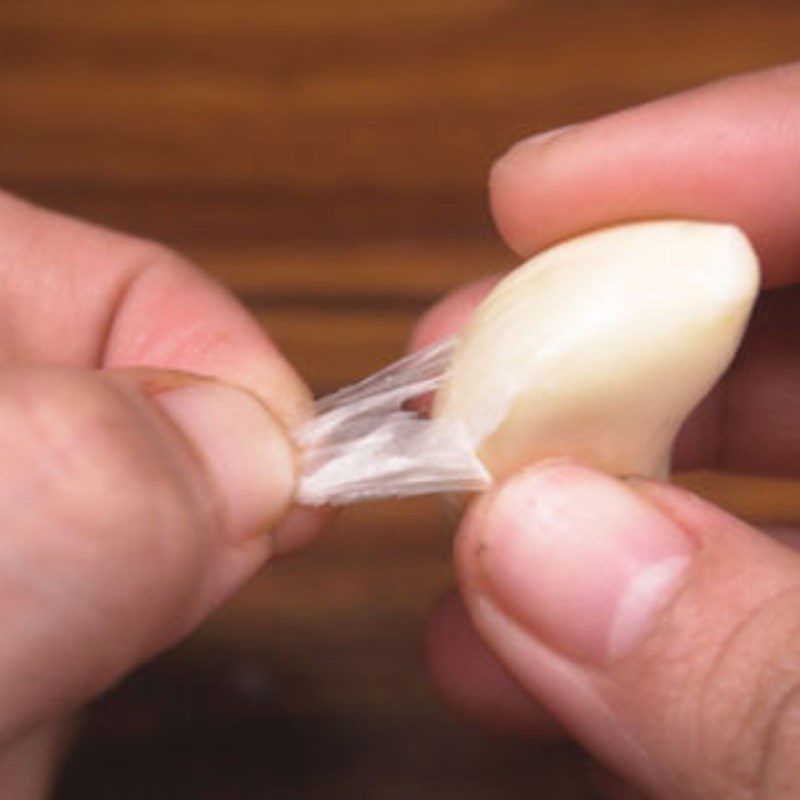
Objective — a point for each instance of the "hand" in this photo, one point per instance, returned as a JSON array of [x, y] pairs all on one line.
[[660, 632], [132, 501]]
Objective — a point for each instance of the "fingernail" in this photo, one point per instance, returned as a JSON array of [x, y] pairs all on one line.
[[523, 147], [580, 559], [247, 458]]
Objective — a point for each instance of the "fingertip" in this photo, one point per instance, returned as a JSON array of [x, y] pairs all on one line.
[[535, 539], [525, 225], [174, 317]]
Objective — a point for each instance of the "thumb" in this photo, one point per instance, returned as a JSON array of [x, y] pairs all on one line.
[[127, 516], [661, 631]]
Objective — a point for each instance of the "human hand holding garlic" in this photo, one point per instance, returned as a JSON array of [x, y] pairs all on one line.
[[656, 629], [132, 501]]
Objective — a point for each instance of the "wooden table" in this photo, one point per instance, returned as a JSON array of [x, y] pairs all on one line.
[[327, 160]]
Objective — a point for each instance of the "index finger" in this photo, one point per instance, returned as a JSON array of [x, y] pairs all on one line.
[[729, 151], [74, 294]]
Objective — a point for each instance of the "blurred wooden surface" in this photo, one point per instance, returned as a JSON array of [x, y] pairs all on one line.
[[327, 160]]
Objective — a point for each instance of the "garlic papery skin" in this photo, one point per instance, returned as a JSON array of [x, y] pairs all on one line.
[[598, 348]]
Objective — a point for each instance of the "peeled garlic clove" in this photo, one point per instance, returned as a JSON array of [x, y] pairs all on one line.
[[598, 348]]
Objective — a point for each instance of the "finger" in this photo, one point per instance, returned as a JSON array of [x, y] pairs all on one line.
[[77, 295], [748, 423], [473, 683], [127, 518], [725, 152], [660, 631]]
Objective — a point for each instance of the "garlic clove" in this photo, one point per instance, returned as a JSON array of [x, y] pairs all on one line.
[[598, 348]]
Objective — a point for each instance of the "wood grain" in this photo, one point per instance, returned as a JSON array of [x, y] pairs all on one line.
[[327, 159]]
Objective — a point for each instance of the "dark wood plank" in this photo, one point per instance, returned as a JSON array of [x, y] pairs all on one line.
[[329, 121], [335, 94], [399, 275]]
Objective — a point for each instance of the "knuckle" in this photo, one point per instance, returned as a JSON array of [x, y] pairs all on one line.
[[748, 708], [777, 772]]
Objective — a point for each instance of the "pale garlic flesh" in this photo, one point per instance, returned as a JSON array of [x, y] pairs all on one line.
[[598, 348]]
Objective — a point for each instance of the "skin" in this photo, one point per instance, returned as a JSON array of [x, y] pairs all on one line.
[[690, 690], [145, 474]]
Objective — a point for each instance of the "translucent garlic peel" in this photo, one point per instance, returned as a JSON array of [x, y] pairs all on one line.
[[599, 347], [364, 442]]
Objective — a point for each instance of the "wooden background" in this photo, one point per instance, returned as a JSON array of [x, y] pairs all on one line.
[[327, 160]]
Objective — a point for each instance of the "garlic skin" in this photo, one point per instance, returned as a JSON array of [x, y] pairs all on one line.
[[598, 348]]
